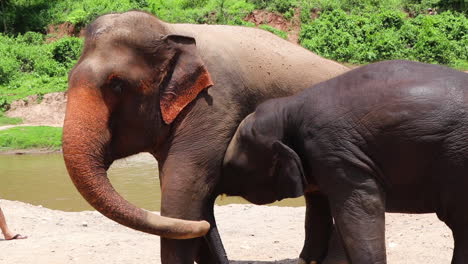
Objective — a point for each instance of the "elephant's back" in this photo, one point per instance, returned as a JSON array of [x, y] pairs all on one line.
[[260, 59], [393, 99], [388, 82]]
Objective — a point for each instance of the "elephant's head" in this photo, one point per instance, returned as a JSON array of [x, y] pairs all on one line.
[[131, 82], [267, 169]]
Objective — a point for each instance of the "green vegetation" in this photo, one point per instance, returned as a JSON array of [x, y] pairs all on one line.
[[31, 137], [413, 7], [20, 16], [354, 31], [4, 120], [230, 12], [30, 66], [275, 31], [370, 37]]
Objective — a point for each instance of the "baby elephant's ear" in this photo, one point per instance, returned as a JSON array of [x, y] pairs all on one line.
[[288, 172]]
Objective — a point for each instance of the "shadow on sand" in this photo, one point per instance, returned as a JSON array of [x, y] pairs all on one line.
[[284, 261]]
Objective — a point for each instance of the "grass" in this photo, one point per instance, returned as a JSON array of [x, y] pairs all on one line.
[[28, 137], [461, 65], [275, 31], [5, 120]]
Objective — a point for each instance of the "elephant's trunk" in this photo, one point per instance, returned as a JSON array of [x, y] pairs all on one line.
[[86, 137]]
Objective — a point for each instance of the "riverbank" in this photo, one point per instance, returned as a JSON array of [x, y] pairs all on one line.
[[31, 137], [33, 125], [251, 234], [23, 139], [32, 151]]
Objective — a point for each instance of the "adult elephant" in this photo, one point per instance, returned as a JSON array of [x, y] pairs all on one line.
[[141, 85]]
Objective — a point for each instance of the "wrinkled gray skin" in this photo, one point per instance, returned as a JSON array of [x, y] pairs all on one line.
[[389, 136], [177, 91]]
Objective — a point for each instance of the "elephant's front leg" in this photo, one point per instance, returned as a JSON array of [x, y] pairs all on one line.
[[318, 228], [336, 252], [212, 250], [358, 206], [186, 194], [209, 250]]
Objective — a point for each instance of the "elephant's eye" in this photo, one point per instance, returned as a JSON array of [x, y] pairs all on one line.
[[117, 85], [117, 88]]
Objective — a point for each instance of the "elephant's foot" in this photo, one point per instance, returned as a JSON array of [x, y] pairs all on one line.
[[301, 261]]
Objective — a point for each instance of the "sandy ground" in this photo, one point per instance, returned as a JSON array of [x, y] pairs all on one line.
[[251, 234]]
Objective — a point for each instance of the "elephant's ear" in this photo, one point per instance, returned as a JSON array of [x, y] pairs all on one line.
[[188, 78], [288, 172]]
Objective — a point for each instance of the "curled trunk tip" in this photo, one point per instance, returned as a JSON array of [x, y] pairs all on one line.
[[179, 229]]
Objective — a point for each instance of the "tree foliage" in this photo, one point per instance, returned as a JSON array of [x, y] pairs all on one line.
[[356, 31], [30, 66], [370, 37]]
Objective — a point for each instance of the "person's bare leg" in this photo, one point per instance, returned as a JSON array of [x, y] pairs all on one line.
[[6, 231], [3, 226]]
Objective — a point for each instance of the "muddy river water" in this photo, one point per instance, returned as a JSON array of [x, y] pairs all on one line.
[[43, 180]]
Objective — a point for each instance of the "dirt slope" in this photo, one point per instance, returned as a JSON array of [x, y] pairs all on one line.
[[48, 111]]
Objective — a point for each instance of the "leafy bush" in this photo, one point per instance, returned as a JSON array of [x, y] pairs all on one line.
[[460, 65], [335, 36], [77, 17], [32, 38], [229, 12], [232, 12], [34, 15], [186, 4], [282, 6], [387, 45], [8, 68], [356, 6], [67, 50], [370, 37], [390, 19], [31, 67], [20, 16], [83, 12], [456, 5], [415, 7]]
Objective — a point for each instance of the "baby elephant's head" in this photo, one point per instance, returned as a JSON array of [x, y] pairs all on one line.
[[263, 167]]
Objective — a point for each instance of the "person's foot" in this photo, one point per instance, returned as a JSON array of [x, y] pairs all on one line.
[[17, 236]]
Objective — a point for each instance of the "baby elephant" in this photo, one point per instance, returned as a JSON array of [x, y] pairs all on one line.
[[386, 137]]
